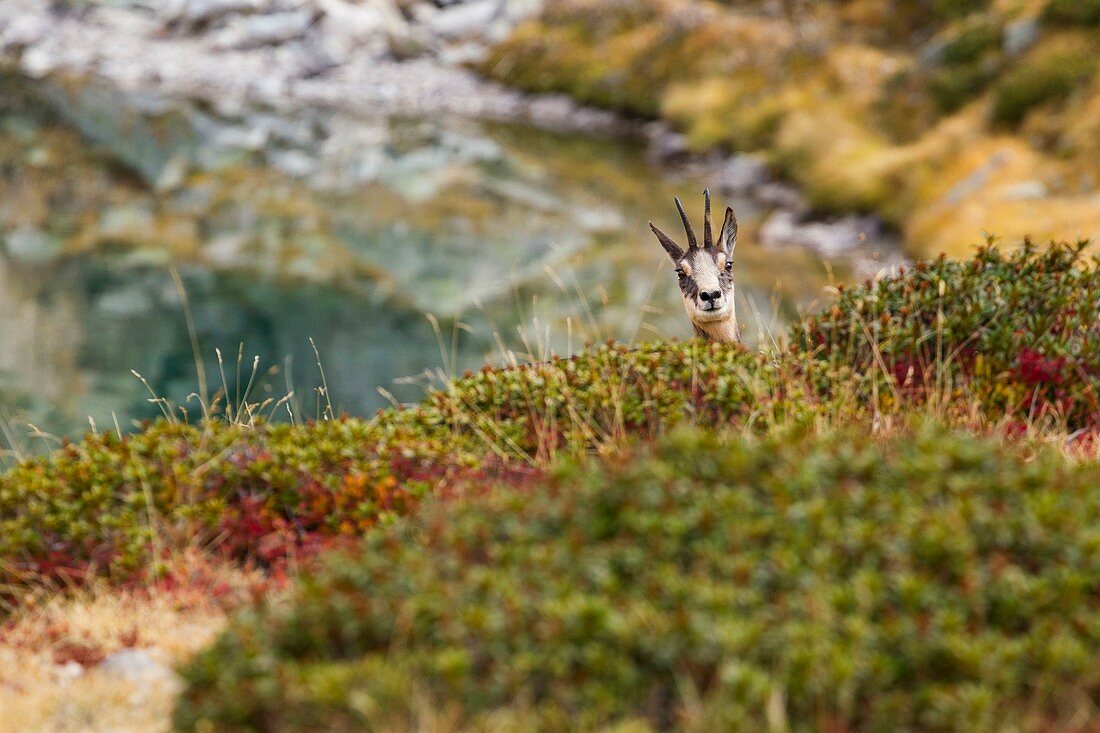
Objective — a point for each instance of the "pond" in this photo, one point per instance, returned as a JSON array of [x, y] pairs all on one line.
[[394, 251]]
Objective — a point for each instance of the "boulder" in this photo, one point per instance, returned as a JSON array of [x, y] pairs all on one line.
[[455, 22], [256, 31], [193, 15], [743, 173], [138, 666], [1020, 35], [829, 238]]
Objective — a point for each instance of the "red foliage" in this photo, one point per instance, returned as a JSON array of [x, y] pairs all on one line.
[[1036, 369]]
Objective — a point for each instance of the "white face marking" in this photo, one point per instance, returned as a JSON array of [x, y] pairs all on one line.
[[708, 303], [706, 274]]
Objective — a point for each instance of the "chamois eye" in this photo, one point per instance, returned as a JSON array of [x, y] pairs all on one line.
[[729, 266], [680, 273]]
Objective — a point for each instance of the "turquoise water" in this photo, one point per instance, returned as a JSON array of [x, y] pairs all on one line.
[[405, 249]]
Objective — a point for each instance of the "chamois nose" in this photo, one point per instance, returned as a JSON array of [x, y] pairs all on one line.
[[710, 296]]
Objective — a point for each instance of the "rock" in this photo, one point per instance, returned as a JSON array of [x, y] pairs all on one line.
[[462, 54], [666, 146], [784, 228], [347, 31], [68, 671], [172, 175], [226, 249], [23, 30], [264, 30], [32, 245], [39, 61], [456, 22], [138, 666], [931, 54], [743, 173], [364, 20], [1025, 190], [293, 162], [124, 302], [423, 12], [315, 62], [1020, 35], [781, 195], [518, 11], [192, 15], [978, 178], [417, 42]]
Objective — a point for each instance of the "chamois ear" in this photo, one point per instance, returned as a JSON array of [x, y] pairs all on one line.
[[673, 249], [728, 238]]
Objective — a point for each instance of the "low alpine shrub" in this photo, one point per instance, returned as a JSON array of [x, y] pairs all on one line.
[[104, 505], [1016, 334], [1074, 12], [935, 581]]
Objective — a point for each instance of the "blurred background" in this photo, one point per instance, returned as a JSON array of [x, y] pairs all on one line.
[[421, 186]]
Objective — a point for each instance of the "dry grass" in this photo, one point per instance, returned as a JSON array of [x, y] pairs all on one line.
[[843, 102], [52, 676]]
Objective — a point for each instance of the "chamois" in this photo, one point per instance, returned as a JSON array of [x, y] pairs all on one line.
[[706, 275]]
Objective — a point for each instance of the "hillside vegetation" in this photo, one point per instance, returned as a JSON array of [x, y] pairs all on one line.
[[889, 524], [943, 116], [1004, 341], [928, 583]]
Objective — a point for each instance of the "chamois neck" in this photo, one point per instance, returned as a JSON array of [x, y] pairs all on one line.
[[724, 331]]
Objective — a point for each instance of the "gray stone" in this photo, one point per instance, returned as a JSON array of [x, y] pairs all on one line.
[[978, 178], [1025, 190], [780, 195], [832, 238], [468, 19], [138, 666], [173, 174], [743, 173], [931, 53], [417, 42], [366, 19], [293, 162], [1020, 35], [29, 244], [461, 54], [190, 15], [264, 30], [423, 12], [666, 146], [129, 300]]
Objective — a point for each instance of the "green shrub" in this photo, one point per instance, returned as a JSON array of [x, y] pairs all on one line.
[[933, 582], [949, 9], [1009, 334], [612, 390], [972, 42], [952, 87], [1005, 338], [1074, 12], [1046, 78], [103, 505]]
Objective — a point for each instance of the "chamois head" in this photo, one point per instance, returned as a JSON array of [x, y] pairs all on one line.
[[706, 274]]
